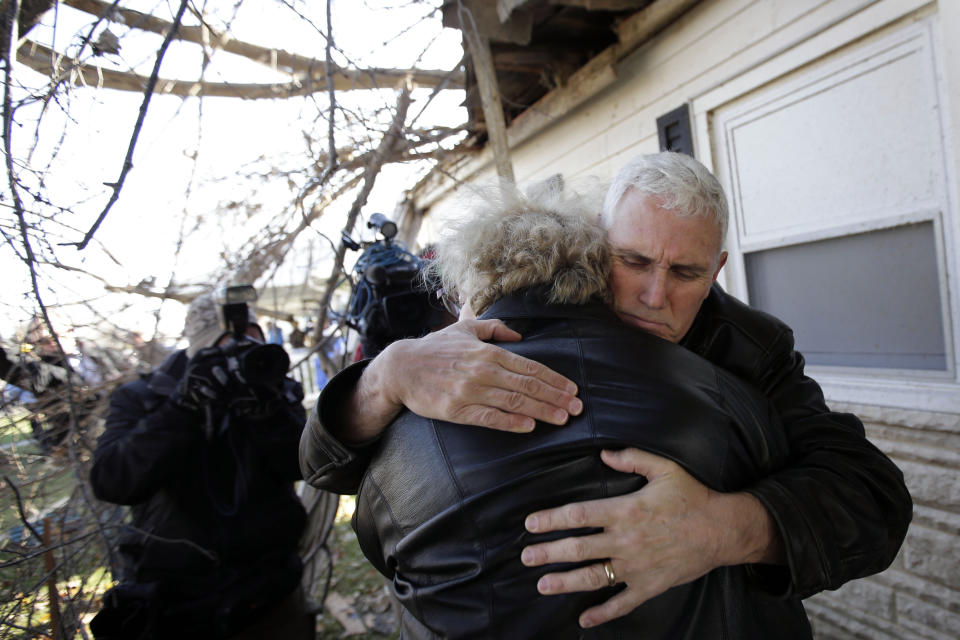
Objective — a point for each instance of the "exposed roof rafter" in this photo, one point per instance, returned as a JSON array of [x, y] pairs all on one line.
[[49, 62], [277, 59], [308, 75]]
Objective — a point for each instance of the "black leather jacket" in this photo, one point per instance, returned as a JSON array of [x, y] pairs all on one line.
[[841, 506], [211, 521], [441, 509]]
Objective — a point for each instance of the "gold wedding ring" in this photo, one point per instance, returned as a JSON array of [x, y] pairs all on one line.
[[608, 570]]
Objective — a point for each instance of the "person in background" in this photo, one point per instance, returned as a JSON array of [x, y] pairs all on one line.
[[297, 335], [53, 382], [274, 333], [204, 451]]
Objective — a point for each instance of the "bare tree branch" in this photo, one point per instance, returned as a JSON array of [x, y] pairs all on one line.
[[260, 258], [128, 161], [331, 119], [392, 139], [10, 22], [23, 515], [172, 292]]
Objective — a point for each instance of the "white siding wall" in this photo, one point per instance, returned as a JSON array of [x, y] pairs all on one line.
[[919, 596], [715, 55]]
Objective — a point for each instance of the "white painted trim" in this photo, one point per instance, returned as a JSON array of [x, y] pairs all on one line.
[[913, 40], [927, 211], [934, 391], [949, 307], [895, 392], [857, 21], [947, 64]]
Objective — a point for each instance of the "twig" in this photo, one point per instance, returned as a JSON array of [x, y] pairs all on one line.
[[254, 265], [128, 161], [388, 143], [24, 557], [10, 20], [23, 515], [332, 160], [53, 595]]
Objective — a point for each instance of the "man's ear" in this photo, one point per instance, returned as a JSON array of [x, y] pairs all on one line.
[[720, 262]]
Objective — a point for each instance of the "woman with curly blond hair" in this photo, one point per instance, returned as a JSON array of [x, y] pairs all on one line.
[[509, 242], [441, 509]]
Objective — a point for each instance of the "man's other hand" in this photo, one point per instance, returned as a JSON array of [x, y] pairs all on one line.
[[454, 375], [670, 532]]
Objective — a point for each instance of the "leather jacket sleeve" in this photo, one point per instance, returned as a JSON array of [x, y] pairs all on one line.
[[326, 462], [140, 445], [841, 505]]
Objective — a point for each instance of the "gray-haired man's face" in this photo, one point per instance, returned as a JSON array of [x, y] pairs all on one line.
[[663, 265]]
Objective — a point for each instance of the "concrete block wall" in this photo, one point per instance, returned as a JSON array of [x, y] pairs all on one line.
[[918, 597]]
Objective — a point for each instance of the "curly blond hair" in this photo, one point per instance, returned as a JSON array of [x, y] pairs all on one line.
[[508, 241]]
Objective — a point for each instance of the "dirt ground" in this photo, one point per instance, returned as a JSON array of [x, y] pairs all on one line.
[[358, 603]]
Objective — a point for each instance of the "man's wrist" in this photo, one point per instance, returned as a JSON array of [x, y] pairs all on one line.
[[366, 409], [749, 534]]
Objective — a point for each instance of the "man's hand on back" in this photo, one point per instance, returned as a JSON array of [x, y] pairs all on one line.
[[670, 532], [453, 375]]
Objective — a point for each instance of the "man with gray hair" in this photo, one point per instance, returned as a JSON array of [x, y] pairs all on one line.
[[839, 510]]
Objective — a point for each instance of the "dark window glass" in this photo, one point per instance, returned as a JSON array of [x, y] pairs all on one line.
[[865, 300]]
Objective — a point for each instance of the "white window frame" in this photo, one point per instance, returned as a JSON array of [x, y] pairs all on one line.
[[882, 27]]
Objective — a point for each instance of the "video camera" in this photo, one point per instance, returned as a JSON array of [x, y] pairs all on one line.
[[258, 364], [387, 301]]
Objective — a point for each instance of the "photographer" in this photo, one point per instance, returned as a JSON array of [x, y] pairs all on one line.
[[204, 450], [389, 300]]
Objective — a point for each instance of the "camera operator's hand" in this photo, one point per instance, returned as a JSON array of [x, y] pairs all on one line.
[[259, 372], [206, 382], [256, 402]]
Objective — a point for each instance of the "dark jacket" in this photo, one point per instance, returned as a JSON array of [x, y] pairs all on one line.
[[840, 504], [441, 509], [214, 524]]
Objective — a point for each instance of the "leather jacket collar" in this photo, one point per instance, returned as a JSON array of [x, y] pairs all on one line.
[[522, 305]]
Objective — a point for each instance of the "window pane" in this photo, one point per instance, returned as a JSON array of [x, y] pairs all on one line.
[[866, 300]]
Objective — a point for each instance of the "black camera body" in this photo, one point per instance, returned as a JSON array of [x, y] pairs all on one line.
[[388, 301], [258, 364]]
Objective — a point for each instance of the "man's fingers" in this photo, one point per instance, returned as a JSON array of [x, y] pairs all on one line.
[[505, 382], [573, 549], [589, 578], [452, 375], [636, 461], [617, 606], [490, 330], [535, 371], [484, 416], [535, 399], [497, 330], [593, 513]]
